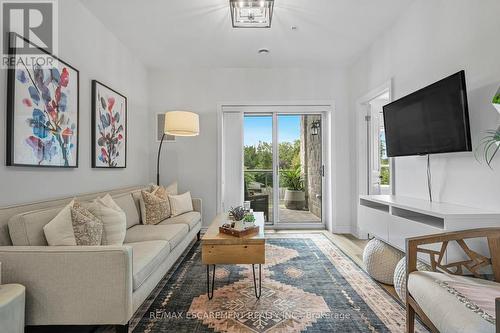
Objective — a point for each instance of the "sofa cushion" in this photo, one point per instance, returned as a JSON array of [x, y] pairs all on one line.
[[191, 219], [59, 231], [128, 205], [113, 218], [26, 229], [146, 257], [154, 209], [449, 311], [87, 228], [173, 233], [181, 203]]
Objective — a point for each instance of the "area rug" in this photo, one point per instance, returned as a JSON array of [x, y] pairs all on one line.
[[309, 285]]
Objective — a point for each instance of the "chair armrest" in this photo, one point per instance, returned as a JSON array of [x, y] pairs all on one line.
[[197, 205], [258, 196], [492, 234], [72, 285]]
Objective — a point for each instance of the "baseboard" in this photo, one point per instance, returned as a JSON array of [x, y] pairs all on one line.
[[360, 234], [342, 229]]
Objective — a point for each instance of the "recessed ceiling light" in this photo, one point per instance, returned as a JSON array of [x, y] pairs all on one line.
[[263, 51], [251, 13]]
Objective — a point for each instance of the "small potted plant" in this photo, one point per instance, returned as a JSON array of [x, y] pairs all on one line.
[[496, 100], [237, 214], [295, 196], [490, 144]]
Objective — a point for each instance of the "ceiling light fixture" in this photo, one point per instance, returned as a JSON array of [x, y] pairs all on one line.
[[251, 13]]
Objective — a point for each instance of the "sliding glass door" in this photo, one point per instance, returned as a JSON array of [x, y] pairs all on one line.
[[283, 167], [258, 163], [300, 168]]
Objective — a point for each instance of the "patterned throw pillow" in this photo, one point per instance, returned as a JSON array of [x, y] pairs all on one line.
[[153, 208], [87, 227], [160, 192]]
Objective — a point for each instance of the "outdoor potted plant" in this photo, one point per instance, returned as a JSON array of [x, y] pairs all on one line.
[[295, 196]]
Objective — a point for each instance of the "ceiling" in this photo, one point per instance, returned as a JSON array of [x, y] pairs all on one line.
[[197, 33]]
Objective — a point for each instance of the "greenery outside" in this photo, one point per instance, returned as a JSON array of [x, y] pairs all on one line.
[[384, 163], [260, 157]]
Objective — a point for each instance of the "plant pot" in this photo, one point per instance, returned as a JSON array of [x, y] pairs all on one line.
[[295, 200]]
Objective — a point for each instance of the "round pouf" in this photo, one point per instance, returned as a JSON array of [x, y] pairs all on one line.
[[380, 260], [400, 276]]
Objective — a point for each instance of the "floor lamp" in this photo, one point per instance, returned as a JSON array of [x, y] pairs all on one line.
[[178, 123]]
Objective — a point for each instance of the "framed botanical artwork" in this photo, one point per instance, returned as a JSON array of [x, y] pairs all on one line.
[[42, 111], [160, 128], [109, 127]]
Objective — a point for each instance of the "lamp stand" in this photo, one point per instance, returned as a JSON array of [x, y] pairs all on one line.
[[158, 161]]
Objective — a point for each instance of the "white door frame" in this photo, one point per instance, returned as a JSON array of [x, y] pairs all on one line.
[[363, 139], [299, 107]]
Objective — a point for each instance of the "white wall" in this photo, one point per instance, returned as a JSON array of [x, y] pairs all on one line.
[[193, 161], [88, 46], [434, 39]]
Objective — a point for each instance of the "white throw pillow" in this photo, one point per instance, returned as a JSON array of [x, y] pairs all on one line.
[[180, 204], [59, 231], [113, 218]]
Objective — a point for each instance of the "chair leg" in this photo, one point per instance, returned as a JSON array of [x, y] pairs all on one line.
[[410, 319], [121, 328]]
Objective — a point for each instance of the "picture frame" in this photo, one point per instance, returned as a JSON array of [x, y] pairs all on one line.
[[42, 111], [160, 125], [109, 127]]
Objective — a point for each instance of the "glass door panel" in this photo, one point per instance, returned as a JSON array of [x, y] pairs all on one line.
[[300, 168], [258, 163]]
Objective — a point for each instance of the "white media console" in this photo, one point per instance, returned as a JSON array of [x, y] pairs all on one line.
[[394, 218]]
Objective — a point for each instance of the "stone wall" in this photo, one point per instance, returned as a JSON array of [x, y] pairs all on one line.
[[310, 157]]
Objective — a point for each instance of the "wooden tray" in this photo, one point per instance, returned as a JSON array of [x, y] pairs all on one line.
[[240, 233]]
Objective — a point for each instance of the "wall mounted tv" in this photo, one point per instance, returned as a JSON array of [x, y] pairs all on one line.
[[432, 120]]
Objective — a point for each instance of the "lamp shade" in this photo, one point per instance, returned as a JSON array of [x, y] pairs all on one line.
[[182, 123]]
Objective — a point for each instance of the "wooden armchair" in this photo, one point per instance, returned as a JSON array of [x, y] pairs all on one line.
[[472, 266]]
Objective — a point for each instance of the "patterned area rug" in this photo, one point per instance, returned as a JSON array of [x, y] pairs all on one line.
[[309, 285]]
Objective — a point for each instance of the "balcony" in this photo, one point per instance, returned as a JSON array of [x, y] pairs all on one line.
[[259, 191]]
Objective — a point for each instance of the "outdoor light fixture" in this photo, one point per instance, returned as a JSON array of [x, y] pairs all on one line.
[[315, 126], [251, 13]]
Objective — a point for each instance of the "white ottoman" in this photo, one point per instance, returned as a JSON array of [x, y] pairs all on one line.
[[12, 300], [400, 276], [380, 260]]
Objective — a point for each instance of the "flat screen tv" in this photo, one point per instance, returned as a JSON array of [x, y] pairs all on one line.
[[432, 120]]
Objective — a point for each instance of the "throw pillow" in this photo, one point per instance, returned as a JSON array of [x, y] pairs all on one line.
[[172, 189], [160, 192], [181, 203], [153, 208], [113, 218], [88, 229], [59, 231]]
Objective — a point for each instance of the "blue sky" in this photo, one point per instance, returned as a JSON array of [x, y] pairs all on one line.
[[260, 128]]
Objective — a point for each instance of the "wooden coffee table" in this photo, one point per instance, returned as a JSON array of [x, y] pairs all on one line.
[[222, 249]]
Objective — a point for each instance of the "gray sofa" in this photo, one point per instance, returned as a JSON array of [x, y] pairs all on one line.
[[90, 285]]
